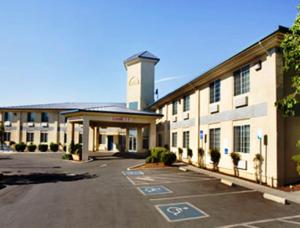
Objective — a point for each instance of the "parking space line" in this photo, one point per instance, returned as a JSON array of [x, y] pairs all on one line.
[[203, 195], [131, 181], [261, 221], [171, 182], [289, 221]]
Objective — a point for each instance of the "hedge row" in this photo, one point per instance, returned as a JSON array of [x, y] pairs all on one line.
[[161, 154], [21, 147]]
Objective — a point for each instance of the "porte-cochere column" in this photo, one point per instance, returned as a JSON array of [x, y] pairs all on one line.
[[85, 138]]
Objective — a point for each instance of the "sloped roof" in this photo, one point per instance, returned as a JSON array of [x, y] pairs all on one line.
[[142, 55], [113, 109], [64, 106]]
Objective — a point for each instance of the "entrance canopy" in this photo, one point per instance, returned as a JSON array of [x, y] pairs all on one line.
[[92, 119]]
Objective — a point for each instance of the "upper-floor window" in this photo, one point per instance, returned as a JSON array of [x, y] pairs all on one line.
[[174, 107], [160, 110], [8, 116], [242, 81], [186, 103], [30, 117], [241, 138], [133, 105], [215, 91], [45, 117]]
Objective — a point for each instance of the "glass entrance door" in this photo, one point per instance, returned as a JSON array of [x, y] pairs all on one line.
[[132, 140]]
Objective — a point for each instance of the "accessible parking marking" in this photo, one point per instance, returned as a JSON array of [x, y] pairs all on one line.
[[154, 190], [176, 212]]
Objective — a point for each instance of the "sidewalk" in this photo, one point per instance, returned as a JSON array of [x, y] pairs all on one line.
[[289, 196]]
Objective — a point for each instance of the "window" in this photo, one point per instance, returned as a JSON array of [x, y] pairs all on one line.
[[80, 138], [133, 105], [214, 91], [160, 110], [186, 103], [44, 137], [30, 117], [214, 138], [102, 139], [160, 140], [174, 139], [145, 142], [175, 107], [8, 116], [242, 81], [45, 117], [242, 138], [186, 139], [6, 136], [29, 137]]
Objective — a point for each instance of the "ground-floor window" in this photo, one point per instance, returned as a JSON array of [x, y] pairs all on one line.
[[29, 137], [186, 139], [65, 138], [145, 142], [242, 138], [214, 138], [6, 136], [102, 139], [160, 140], [174, 139], [44, 137], [80, 138]]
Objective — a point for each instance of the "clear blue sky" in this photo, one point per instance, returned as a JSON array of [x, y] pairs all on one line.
[[73, 50]]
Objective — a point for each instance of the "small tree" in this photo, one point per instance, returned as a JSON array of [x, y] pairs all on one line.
[[296, 158], [180, 152], [258, 161], [200, 157], [236, 157], [215, 156], [189, 154]]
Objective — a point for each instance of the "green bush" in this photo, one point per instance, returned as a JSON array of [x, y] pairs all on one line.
[[190, 152], [65, 148], [20, 147], [168, 158], [151, 159], [215, 156], [12, 143], [180, 150], [157, 152], [71, 148], [201, 152], [31, 147], [43, 147], [78, 149], [236, 157], [54, 147], [67, 156]]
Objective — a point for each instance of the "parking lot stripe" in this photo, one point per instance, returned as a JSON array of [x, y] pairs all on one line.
[[131, 181], [260, 221], [289, 221], [203, 195]]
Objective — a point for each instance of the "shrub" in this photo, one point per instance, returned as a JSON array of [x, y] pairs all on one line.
[[151, 159], [31, 147], [78, 149], [236, 157], [11, 143], [43, 147], [296, 158], [258, 157], [67, 157], [71, 148], [215, 156], [167, 146], [180, 150], [54, 147], [157, 152], [190, 152], [20, 147], [201, 152], [168, 158], [65, 148]]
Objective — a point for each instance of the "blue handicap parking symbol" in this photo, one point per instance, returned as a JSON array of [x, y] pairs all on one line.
[[175, 212], [132, 173], [154, 190]]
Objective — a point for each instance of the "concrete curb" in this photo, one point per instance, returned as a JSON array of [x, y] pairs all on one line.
[[134, 166], [226, 182], [274, 198], [289, 197]]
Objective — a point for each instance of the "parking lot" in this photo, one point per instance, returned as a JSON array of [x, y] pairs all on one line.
[[41, 190], [192, 199]]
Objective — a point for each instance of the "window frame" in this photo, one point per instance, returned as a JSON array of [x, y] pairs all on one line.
[[186, 139], [174, 139], [30, 117], [8, 116], [241, 142], [215, 91], [241, 80], [175, 107], [45, 117], [7, 136], [44, 137], [29, 137], [186, 103], [215, 138]]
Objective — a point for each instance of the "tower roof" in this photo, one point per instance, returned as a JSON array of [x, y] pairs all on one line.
[[142, 55]]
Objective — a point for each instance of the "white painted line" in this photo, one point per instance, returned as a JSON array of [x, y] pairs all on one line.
[[259, 221], [131, 181], [227, 182], [289, 221], [203, 195], [184, 219], [172, 182], [183, 169], [103, 165], [274, 198]]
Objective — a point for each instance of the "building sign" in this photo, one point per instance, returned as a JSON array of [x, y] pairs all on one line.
[[121, 119]]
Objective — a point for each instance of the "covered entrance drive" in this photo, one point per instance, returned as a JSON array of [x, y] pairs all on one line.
[[122, 130]]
